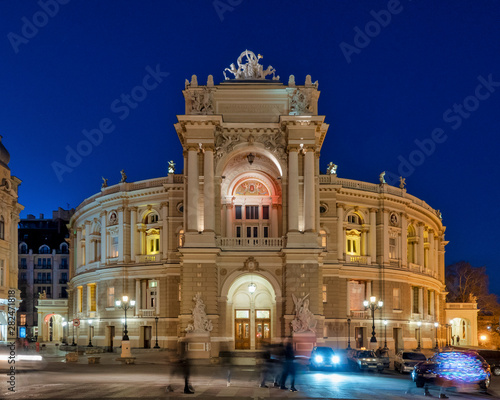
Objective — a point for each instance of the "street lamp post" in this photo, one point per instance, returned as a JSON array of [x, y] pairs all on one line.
[[348, 334], [73, 344], [436, 335], [419, 324], [373, 305], [90, 333], [156, 345], [125, 304], [385, 335], [447, 337]]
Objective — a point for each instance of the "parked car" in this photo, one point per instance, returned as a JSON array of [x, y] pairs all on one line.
[[406, 360], [364, 360], [383, 356], [492, 357], [323, 357], [456, 367]]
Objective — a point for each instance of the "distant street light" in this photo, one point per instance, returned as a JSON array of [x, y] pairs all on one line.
[[419, 324], [90, 333], [348, 334], [373, 305], [156, 345], [385, 335], [436, 335]]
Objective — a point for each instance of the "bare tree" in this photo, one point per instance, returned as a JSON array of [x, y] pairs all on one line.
[[466, 283]]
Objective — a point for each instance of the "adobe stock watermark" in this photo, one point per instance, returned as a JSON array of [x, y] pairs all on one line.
[[223, 6], [363, 37], [31, 26], [122, 108], [454, 117]]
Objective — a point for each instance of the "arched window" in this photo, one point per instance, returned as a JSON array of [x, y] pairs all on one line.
[[44, 249], [64, 248], [23, 248], [354, 218], [180, 238], [323, 235], [151, 218], [2, 228]]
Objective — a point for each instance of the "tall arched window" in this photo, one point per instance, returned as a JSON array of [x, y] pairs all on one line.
[[2, 228], [44, 249], [23, 248], [152, 241], [411, 244], [353, 242]]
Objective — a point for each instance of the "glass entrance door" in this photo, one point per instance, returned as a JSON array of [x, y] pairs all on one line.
[[262, 328], [242, 330]]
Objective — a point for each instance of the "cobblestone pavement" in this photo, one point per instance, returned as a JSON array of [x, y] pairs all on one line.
[[151, 374]]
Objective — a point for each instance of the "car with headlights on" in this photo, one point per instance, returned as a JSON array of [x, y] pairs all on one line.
[[323, 357], [406, 360], [364, 360], [453, 368]]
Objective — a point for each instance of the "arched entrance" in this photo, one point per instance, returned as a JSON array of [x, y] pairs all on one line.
[[52, 329], [252, 312], [461, 329]]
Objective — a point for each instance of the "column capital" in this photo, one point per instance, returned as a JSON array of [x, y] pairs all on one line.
[[373, 210], [164, 204], [431, 231], [293, 147], [103, 213], [120, 209], [133, 208], [192, 147], [309, 148], [79, 229], [341, 205], [209, 147], [420, 224]]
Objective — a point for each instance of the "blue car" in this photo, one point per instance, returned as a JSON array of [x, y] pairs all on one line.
[[323, 357]]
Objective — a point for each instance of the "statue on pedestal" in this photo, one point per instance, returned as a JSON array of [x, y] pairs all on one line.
[[304, 320], [124, 176], [201, 324]]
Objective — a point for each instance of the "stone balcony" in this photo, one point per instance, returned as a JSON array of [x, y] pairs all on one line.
[[352, 259], [359, 314], [148, 258], [147, 312], [226, 243]]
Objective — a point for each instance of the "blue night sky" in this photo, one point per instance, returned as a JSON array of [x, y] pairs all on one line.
[[429, 77]]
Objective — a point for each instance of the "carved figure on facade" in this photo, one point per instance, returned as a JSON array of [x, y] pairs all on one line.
[[402, 182], [225, 142], [104, 182], [304, 320], [201, 101], [275, 143], [171, 167], [42, 295], [331, 169], [201, 323], [251, 69], [381, 178], [124, 176], [301, 102]]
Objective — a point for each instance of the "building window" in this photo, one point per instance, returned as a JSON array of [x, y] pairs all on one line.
[[353, 219], [392, 248], [416, 299], [44, 262], [79, 299], [180, 292], [64, 248], [153, 241], [237, 211], [91, 288], [114, 246], [322, 234], [238, 231], [411, 244], [353, 241], [266, 231], [44, 249], [152, 218], [180, 239], [111, 296], [396, 299], [265, 212], [22, 320], [39, 262], [64, 263], [23, 248], [2, 279], [252, 212], [357, 294], [49, 262], [324, 294], [23, 263], [2, 228], [430, 302]]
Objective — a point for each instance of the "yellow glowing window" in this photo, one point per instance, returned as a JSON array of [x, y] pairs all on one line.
[[263, 314], [242, 314]]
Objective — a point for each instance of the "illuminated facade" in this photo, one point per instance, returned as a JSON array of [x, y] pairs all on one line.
[[9, 217], [273, 246]]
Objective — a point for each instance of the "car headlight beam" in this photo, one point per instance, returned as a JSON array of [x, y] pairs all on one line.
[[318, 359]]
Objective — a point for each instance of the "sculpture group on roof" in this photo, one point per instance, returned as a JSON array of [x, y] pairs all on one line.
[[252, 69]]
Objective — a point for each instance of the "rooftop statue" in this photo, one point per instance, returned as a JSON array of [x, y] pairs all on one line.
[[171, 167], [104, 183], [124, 176], [331, 169], [251, 70], [381, 178]]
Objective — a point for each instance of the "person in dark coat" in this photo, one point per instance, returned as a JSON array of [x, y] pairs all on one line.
[[289, 368]]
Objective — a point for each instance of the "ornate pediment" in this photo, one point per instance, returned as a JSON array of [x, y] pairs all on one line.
[[250, 265]]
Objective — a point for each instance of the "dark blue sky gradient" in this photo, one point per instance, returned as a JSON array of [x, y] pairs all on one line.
[[392, 93]]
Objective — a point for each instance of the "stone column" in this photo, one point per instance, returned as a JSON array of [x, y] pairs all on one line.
[[436, 253], [385, 251], [193, 190], [137, 296], [363, 242], [293, 189], [104, 254], [309, 192], [78, 247], [404, 239], [420, 245], [121, 235], [133, 233], [88, 244], [229, 220], [208, 191], [372, 237], [164, 231], [340, 232], [274, 220], [430, 257]]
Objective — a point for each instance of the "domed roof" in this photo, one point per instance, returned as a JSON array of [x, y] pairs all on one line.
[[4, 155]]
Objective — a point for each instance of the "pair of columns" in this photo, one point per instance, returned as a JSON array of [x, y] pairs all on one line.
[[309, 189], [193, 189]]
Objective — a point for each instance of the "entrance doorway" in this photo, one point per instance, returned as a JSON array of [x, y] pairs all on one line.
[[242, 330], [262, 328], [398, 339], [147, 330], [360, 335], [110, 335]]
